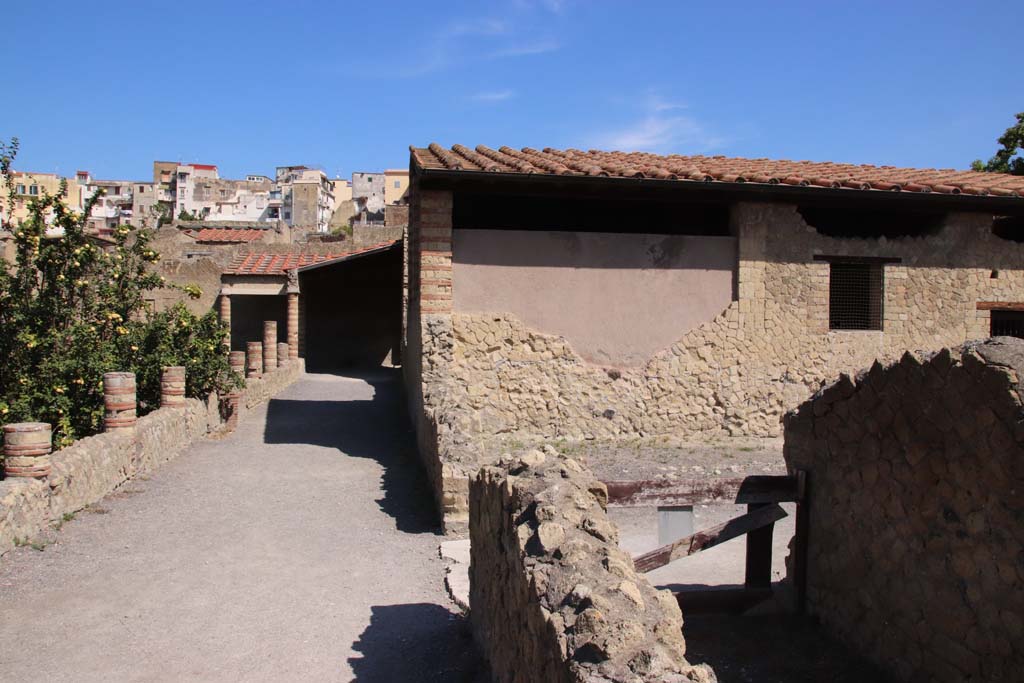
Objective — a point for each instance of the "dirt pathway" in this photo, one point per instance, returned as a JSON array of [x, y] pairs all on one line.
[[300, 547]]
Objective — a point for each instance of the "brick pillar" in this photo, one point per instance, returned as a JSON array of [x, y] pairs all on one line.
[[254, 355], [269, 346], [27, 450], [282, 354], [119, 401], [293, 325], [225, 316], [172, 387], [435, 252], [236, 359]]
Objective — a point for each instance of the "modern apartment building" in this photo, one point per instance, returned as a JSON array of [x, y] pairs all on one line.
[[396, 184], [29, 186], [306, 195]]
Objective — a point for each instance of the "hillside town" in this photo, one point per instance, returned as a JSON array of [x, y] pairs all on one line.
[[301, 198]]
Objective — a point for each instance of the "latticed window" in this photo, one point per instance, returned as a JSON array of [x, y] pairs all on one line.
[[1007, 324], [855, 295]]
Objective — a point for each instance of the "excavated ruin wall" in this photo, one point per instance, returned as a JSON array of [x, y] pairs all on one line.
[[735, 375], [915, 481], [554, 598]]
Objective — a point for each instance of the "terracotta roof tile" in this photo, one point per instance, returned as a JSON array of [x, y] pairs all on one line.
[[701, 168], [228, 235], [278, 264]]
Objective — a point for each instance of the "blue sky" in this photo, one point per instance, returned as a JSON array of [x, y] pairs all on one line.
[[110, 87]]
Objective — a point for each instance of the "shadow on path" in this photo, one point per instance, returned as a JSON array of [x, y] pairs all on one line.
[[376, 428], [416, 642]]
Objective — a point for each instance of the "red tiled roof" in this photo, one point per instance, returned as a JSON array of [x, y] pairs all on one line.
[[699, 168], [205, 167], [228, 235], [277, 264]]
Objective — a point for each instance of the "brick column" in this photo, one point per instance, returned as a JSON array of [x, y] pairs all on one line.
[[119, 401], [27, 450], [225, 315], [282, 354], [236, 359], [435, 250], [269, 346], [254, 356], [172, 387], [293, 325]]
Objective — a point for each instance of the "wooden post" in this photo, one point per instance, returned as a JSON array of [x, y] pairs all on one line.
[[800, 538], [759, 553], [27, 448]]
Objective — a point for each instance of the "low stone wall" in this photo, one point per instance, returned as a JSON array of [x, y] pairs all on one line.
[[259, 389], [93, 467], [916, 537], [553, 597]]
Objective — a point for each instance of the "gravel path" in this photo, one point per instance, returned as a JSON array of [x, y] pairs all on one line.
[[302, 547]]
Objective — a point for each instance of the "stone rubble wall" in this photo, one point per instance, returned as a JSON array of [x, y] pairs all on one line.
[[90, 468], [735, 375], [916, 542], [553, 597]]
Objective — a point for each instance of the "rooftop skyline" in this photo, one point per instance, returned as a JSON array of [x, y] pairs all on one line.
[[349, 88]]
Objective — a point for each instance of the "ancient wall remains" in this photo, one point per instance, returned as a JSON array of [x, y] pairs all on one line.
[[914, 481], [584, 286], [737, 373], [554, 598], [488, 373]]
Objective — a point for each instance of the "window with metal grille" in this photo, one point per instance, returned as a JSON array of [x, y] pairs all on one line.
[[855, 296], [1007, 324]]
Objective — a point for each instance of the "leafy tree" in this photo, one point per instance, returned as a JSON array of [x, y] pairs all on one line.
[[73, 308], [1009, 158]]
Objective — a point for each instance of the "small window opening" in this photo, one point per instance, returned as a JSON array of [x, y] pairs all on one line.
[[1009, 228], [1007, 324], [855, 296], [870, 224]]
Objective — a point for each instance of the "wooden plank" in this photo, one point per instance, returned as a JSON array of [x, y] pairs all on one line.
[[1000, 306], [759, 552], [800, 538], [702, 491], [702, 540]]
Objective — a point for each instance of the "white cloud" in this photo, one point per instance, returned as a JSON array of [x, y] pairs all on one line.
[[493, 96], [660, 129], [479, 27], [526, 49]]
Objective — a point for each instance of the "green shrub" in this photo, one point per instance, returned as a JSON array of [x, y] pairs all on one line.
[[72, 309]]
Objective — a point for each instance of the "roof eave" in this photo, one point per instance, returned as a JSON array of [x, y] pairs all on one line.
[[348, 257], [436, 178]]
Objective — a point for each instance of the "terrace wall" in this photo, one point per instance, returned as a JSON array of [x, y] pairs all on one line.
[[915, 538]]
